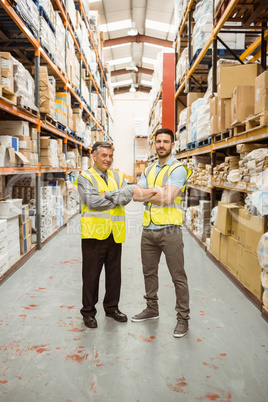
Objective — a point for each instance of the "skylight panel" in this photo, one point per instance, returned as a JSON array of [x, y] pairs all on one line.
[[119, 61], [121, 83], [115, 26], [147, 83], [148, 61], [159, 26]]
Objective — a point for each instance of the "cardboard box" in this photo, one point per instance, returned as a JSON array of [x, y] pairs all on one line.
[[26, 153], [242, 103], [214, 125], [3, 228], [33, 132], [227, 113], [215, 241], [249, 272], [221, 115], [24, 216], [46, 161], [7, 82], [213, 105], [45, 142], [224, 249], [193, 96], [6, 63], [10, 208], [14, 127], [250, 230], [2, 156], [235, 220], [13, 254], [21, 160], [9, 141], [3, 263], [3, 246], [13, 224], [232, 255], [224, 217], [26, 244], [230, 76], [46, 152], [261, 93], [25, 142]]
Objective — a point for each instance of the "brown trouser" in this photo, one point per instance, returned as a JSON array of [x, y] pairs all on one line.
[[169, 240]]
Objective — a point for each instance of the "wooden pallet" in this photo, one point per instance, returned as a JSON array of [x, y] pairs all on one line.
[[225, 135], [259, 120], [8, 96], [46, 118], [26, 108]]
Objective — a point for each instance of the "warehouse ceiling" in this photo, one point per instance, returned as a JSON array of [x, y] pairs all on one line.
[[131, 57]]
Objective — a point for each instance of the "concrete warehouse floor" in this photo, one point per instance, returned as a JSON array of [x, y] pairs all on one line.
[[46, 353]]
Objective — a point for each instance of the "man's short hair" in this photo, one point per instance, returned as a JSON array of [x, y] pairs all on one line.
[[101, 144], [165, 131]]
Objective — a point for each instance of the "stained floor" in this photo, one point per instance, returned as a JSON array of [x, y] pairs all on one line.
[[46, 354]]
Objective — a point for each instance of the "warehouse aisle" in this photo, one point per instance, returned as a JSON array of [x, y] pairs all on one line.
[[46, 354]]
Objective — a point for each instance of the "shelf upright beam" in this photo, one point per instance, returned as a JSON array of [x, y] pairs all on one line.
[[263, 48], [168, 104], [38, 175], [214, 65], [253, 46], [38, 192], [189, 45]]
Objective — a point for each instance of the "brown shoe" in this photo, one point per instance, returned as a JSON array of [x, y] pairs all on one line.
[[181, 329]]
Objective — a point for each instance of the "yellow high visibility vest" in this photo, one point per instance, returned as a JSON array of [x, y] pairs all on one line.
[[163, 214], [99, 224]]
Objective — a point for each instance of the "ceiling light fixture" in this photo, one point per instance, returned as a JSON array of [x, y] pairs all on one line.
[[132, 30], [132, 88], [132, 67]]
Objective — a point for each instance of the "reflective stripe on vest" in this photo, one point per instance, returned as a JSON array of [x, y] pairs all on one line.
[[163, 214], [99, 224]]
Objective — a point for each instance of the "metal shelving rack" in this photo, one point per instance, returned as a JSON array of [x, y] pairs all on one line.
[[9, 108], [259, 46]]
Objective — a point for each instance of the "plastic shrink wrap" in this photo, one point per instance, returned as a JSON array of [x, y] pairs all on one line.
[[182, 65], [262, 252], [30, 14], [203, 120], [60, 40], [23, 86], [259, 198], [195, 110], [47, 37]]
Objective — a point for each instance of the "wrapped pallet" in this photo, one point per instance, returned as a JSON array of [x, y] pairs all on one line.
[[24, 86]]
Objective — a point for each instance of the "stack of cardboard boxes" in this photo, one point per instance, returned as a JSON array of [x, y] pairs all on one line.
[[18, 142], [47, 93], [248, 167], [242, 92], [201, 175], [234, 242], [197, 219], [15, 232], [25, 230], [6, 74]]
